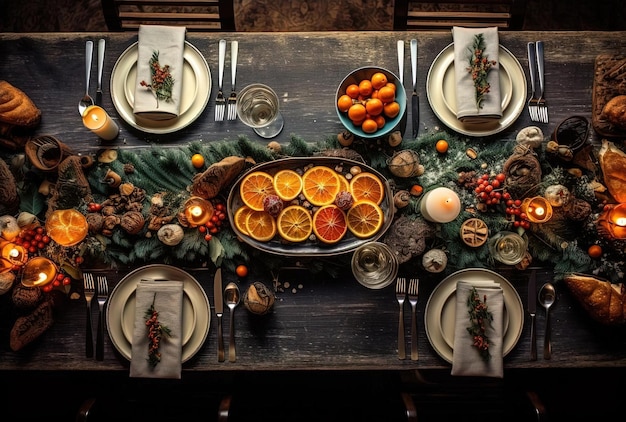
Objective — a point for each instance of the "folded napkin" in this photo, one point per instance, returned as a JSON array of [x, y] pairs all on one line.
[[159, 80], [478, 99], [166, 298], [467, 359]]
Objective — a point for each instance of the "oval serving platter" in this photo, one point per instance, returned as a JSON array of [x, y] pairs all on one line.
[[309, 248]]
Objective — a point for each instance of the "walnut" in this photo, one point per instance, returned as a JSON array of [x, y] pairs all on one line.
[[132, 222], [578, 209], [95, 222], [110, 221], [107, 210]]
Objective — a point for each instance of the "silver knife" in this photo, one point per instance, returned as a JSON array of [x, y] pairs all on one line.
[[101, 45], [219, 311], [401, 76], [415, 106], [532, 310]]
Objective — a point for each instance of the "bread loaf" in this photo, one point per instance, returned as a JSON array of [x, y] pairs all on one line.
[[614, 111], [604, 301], [16, 108]]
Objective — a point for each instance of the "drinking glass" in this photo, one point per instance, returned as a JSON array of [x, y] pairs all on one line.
[[508, 248], [374, 265], [258, 108]]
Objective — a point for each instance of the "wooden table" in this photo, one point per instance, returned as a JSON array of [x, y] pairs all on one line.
[[328, 324]]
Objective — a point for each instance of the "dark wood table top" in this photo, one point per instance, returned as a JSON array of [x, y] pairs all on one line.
[[327, 324]]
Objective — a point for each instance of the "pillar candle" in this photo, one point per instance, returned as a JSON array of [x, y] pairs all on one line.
[[440, 205], [99, 122]]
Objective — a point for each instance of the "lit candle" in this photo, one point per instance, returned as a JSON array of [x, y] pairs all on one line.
[[38, 272], [99, 122], [617, 219], [440, 205], [198, 211], [15, 254], [537, 209]]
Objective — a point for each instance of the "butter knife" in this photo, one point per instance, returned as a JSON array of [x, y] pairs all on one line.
[[532, 310], [219, 311], [401, 76], [101, 46], [415, 106]]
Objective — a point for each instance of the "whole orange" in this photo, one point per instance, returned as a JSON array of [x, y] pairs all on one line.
[[441, 146], [595, 251], [197, 160], [241, 270]]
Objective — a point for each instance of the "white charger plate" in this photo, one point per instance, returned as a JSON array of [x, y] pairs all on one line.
[[439, 319], [441, 92], [120, 311], [194, 97]]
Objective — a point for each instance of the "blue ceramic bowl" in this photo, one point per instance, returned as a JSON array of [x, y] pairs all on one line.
[[357, 76]]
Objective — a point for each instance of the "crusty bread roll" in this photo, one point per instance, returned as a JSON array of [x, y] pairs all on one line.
[[16, 108], [613, 163], [614, 111], [604, 301]]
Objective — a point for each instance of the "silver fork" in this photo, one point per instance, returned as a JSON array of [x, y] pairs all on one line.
[[413, 296], [542, 106], [532, 68], [103, 294], [90, 291], [232, 100], [220, 102], [401, 297]]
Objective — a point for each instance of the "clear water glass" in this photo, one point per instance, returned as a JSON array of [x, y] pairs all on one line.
[[508, 247], [258, 108], [374, 265]]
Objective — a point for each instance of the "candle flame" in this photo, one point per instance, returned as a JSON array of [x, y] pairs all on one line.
[[621, 221], [539, 211], [14, 253], [42, 277], [196, 211]]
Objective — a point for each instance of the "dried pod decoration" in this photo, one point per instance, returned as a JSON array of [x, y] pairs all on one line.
[[258, 298], [405, 164]]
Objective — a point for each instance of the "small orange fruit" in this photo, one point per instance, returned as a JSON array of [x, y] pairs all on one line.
[[357, 113], [320, 185], [374, 106], [391, 109], [254, 188], [294, 223], [441, 146], [379, 80], [241, 270], [287, 184], [380, 121], [365, 88], [197, 160], [329, 224], [67, 227], [365, 219], [344, 103], [353, 91], [595, 251], [386, 94], [261, 226], [366, 185], [369, 126]]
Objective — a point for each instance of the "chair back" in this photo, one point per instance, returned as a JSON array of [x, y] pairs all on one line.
[[195, 15]]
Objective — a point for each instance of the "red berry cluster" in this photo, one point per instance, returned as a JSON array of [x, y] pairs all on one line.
[[514, 209], [214, 225], [33, 239], [489, 190], [94, 207], [60, 280]]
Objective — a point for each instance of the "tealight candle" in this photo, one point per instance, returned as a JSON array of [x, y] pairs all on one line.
[[15, 254], [99, 122], [537, 209], [440, 205], [198, 211], [38, 272], [617, 219]]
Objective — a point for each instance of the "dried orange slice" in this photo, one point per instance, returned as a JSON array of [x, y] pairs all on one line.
[[344, 184], [294, 223], [254, 188], [260, 225], [365, 219], [368, 186], [240, 218], [287, 184], [320, 185], [67, 227], [329, 224]]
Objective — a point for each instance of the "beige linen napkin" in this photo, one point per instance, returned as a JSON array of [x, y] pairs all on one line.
[[466, 358], [167, 297], [488, 107], [160, 51]]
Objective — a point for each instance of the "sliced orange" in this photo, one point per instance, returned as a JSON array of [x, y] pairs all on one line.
[[254, 188], [240, 218], [329, 224], [344, 184], [320, 185], [287, 184], [368, 186], [365, 219], [294, 223], [67, 227], [261, 226]]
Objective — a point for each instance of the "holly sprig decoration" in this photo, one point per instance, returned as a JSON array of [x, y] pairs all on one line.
[[156, 330], [162, 81], [479, 67], [480, 317]]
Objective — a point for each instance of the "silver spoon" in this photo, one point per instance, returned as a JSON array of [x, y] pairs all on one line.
[[86, 101], [231, 298], [547, 297]]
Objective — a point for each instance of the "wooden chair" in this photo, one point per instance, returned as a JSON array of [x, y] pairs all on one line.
[[195, 15], [410, 15]]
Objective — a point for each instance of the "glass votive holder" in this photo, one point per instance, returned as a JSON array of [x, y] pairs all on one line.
[[374, 265], [198, 211], [15, 254], [508, 247], [38, 272], [97, 120], [537, 209]]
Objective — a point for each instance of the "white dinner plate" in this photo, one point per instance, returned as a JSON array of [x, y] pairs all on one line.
[[439, 317], [194, 97], [120, 312], [441, 92]]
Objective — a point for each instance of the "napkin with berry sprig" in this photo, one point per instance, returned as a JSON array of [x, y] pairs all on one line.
[[476, 68], [479, 329], [157, 335], [158, 86]]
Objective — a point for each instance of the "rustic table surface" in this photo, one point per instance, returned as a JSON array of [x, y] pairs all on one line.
[[328, 324]]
